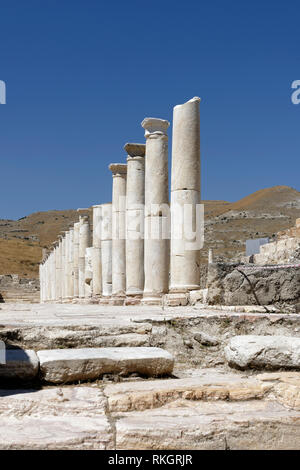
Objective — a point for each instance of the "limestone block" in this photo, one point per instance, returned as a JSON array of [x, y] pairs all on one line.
[[263, 352], [68, 365], [20, 365]]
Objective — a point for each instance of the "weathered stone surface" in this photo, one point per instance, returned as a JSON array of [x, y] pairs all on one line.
[[205, 339], [211, 426], [263, 352], [20, 365], [57, 418], [209, 385], [227, 286], [68, 365]]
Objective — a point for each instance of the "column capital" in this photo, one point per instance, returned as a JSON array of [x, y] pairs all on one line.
[[118, 169], [155, 126], [135, 150]]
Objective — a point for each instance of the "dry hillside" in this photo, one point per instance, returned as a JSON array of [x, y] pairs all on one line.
[[227, 227]]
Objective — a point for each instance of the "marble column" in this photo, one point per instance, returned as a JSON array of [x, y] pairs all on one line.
[[57, 272], [88, 273], [185, 198], [52, 275], [119, 172], [66, 268], [135, 200], [156, 246], [106, 251], [63, 267], [96, 252], [70, 278], [76, 260], [41, 276], [84, 243]]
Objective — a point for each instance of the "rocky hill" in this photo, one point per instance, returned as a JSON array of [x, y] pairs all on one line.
[[227, 227]]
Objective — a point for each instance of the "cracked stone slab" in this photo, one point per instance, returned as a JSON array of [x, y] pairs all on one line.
[[210, 385], [255, 424], [68, 365], [263, 352], [56, 418], [20, 365]]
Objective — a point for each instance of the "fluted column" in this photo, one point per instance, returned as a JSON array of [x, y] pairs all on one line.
[[119, 172], [52, 275], [106, 251], [135, 200], [96, 252], [185, 198], [63, 267], [156, 247], [84, 242], [76, 260]]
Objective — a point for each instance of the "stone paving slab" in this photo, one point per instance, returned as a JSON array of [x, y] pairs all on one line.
[[20, 365], [255, 424], [68, 365], [207, 385]]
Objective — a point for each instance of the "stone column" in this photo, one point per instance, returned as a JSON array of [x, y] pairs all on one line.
[[57, 272], [76, 259], [52, 275], [70, 278], [84, 243], [156, 246], [88, 273], [66, 268], [185, 196], [96, 252], [135, 200], [118, 233], [63, 267], [106, 251], [41, 277]]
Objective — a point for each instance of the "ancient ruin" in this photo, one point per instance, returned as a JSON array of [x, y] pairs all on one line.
[[136, 342]]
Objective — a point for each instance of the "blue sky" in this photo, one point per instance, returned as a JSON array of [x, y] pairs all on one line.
[[81, 75]]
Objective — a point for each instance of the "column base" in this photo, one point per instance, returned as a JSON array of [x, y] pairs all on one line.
[[183, 289], [133, 299], [152, 300], [104, 300], [176, 300], [117, 300]]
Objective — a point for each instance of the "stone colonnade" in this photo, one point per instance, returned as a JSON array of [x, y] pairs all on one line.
[[141, 247]]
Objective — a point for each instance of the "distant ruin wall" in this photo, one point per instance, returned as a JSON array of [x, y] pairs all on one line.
[[227, 285], [16, 289]]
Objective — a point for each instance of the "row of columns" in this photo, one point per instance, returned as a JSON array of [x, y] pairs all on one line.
[[128, 251]]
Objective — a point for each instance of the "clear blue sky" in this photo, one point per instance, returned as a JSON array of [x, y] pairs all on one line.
[[81, 75]]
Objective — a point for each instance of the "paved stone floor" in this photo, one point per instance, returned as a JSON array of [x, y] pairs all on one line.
[[203, 405]]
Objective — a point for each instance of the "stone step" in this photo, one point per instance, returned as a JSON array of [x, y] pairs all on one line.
[[251, 425], [56, 418], [208, 385], [69, 365]]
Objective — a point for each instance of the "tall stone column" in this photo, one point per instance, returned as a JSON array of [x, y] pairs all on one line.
[[106, 251], [41, 277], [135, 200], [66, 268], [70, 278], [185, 196], [119, 172], [156, 246], [57, 272], [96, 252], [63, 267], [88, 273], [52, 275], [84, 243], [76, 259]]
